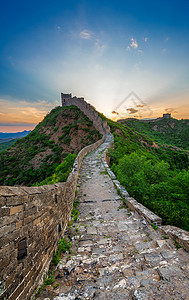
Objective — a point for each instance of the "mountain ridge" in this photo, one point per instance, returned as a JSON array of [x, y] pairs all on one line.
[[13, 135], [165, 131]]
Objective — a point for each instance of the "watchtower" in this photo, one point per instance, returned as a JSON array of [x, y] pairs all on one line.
[[65, 97], [166, 116]]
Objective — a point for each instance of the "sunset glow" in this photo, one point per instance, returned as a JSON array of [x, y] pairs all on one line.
[[99, 50]]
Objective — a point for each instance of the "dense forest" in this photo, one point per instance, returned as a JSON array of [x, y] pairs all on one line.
[[154, 174], [49, 149]]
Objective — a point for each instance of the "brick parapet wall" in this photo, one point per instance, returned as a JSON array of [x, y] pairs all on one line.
[[179, 235], [32, 220], [90, 112]]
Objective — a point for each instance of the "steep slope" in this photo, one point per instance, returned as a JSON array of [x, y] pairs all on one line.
[[167, 131], [35, 157]]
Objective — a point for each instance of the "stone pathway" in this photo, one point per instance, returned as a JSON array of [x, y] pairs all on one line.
[[116, 255]]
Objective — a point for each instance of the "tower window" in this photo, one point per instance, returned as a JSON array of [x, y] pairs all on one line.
[[22, 249]]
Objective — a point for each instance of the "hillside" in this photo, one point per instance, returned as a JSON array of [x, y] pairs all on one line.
[[65, 130], [4, 144], [154, 174], [165, 131]]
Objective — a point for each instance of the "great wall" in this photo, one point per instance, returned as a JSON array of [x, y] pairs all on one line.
[[33, 219]]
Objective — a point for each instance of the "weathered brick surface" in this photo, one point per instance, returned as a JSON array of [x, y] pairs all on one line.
[[16, 209], [34, 214]]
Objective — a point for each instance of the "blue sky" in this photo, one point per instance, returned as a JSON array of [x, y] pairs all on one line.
[[101, 50]]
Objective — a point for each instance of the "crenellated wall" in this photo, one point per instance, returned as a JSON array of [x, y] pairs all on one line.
[[32, 220], [90, 112]]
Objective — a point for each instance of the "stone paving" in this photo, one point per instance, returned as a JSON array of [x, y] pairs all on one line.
[[116, 254]]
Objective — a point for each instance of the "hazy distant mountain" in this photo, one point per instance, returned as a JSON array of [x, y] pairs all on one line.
[[7, 139], [14, 135]]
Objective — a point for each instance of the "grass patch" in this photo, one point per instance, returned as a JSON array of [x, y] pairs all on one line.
[[63, 246], [177, 245], [75, 212], [155, 227]]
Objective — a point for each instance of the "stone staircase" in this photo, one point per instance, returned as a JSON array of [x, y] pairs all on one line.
[[116, 254]]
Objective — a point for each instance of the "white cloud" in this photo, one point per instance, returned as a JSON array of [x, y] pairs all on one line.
[[99, 47], [145, 39], [85, 34], [134, 43]]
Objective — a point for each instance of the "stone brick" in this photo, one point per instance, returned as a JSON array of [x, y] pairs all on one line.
[[17, 291], [16, 209], [19, 224], [5, 191], [2, 200], [6, 250], [33, 190], [28, 219], [8, 291], [4, 211], [30, 212], [10, 279], [17, 190], [12, 236], [6, 229], [37, 221], [4, 262], [8, 220], [16, 200]]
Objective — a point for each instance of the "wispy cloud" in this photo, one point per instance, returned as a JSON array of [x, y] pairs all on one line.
[[171, 110], [140, 105], [145, 39], [132, 110], [134, 43], [99, 46], [85, 34]]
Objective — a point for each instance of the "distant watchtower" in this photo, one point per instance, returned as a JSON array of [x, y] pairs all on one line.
[[166, 116], [65, 97]]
